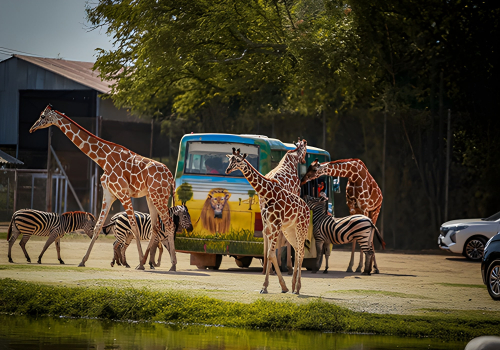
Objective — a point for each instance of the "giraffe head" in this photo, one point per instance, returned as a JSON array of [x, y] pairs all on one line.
[[301, 150], [236, 160], [313, 172], [47, 118]]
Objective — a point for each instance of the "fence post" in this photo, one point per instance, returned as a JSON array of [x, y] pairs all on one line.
[[448, 150]]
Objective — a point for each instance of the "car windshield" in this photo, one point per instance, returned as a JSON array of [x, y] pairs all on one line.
[[209, 158], [494, 217]]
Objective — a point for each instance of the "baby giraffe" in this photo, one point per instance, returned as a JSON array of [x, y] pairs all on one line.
[[282, 212]]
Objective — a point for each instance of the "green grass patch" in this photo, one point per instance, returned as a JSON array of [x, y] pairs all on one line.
[[460, 285], [38, 267], [379, 292], [3, 235], [149, 305]]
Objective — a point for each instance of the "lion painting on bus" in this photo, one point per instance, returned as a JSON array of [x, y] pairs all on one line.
[[216, 214]]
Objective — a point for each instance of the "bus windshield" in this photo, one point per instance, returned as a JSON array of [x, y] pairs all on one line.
[[209, 158]]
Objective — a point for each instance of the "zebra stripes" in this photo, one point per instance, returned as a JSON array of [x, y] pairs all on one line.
[[120, 227], [330, 230], [30, 222]]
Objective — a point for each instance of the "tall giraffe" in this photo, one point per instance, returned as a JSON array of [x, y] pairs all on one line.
[[287, 175], [363, 196], [126, 175], [282, 213]]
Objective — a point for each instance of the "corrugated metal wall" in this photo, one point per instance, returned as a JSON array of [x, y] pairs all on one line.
[[15, 75]]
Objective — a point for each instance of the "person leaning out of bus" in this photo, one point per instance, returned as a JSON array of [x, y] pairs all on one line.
[[213, 165]]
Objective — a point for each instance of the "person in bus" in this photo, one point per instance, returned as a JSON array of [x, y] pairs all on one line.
[[213, 165]]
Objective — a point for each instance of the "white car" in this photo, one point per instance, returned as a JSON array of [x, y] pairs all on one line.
[[468, 236]]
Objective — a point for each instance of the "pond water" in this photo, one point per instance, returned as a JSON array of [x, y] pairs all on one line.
[[19, 332]]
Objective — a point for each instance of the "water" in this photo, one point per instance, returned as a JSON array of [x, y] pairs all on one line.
[[19, 332]]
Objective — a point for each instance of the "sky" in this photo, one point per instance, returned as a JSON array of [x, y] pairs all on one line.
[[49, 28]]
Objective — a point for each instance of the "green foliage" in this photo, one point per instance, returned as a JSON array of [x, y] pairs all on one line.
[[146, 305], [185, 192]]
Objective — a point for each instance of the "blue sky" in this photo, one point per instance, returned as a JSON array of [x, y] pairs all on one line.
[[49, 28]]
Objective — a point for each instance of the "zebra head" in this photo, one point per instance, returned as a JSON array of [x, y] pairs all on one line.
[[316, 204], [185, 219], [89, 224]]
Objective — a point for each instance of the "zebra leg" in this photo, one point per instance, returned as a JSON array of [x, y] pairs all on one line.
[[375, 267], [152, 255], [107, 199], [116, 255], [326, 247], [58, 248], [50, 240], [319, 252], [15, 233], [360, 266], [123, 257], [351, 262], [171, 251], [23, 242]]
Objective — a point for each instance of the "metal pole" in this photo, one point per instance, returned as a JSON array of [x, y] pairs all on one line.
[[324, 129], [383, 172], [151, 141], [66, 176], [32, 190], [56, 206], [448, 161], [48, 193], [8, 192], [65, 194], [15, 191]]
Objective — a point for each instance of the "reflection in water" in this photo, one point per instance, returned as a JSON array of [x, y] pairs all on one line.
[[19, 332]]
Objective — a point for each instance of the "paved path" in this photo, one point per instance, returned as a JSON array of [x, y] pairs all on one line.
[[407, 284]]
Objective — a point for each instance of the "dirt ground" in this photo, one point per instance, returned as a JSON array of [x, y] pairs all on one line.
[[407, 283]]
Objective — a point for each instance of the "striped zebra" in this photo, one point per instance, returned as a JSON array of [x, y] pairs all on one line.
[[30, 222], [120, 227], [329, 230]]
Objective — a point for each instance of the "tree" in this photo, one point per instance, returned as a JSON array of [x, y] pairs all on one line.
[[185, 192]]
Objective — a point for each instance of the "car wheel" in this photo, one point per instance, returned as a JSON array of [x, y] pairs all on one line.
[[493, 281], [474, 248]]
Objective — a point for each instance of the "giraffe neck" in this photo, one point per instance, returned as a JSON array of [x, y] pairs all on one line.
[[260, 184], [95, 148], [348, 169]]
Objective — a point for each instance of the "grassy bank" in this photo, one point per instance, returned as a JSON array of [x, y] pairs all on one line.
[[146, 305]]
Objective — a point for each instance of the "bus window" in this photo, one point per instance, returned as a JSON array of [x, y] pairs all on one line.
[[209, 158]]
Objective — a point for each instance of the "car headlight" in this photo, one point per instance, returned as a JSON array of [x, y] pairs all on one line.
[[459, 228], [444, 230]]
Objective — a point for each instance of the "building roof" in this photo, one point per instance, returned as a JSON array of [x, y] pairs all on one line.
[[5, 158], [81, 72]]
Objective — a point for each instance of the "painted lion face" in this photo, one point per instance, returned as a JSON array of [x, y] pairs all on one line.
[[218, 202]]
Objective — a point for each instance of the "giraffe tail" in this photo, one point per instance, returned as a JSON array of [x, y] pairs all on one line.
[[107, 229], [379, 237]]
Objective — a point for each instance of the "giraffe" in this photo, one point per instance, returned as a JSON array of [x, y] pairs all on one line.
[[282, 213], [126, 175], [287, 176], [363, 196]]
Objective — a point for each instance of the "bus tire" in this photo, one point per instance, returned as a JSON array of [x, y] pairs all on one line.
[[218, 261], [243, 261]]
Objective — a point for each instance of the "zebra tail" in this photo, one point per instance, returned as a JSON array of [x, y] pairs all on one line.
[[9, 232], [107, 229], [379, 237]]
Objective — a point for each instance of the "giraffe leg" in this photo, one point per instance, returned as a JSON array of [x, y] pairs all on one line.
[[160, 247], [50, 240], [153, 254], [301, 234], [289, 258], [326, 247], [15, 233], [107, 199], [266, 247], [23, 242], [58, 248], [271, 256], [153, 214], [351, 262]]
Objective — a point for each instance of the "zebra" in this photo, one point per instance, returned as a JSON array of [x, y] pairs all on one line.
[[120, 227], [30, 222], [329, 230]]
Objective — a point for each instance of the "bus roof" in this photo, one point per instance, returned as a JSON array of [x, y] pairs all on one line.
[[274, 144]]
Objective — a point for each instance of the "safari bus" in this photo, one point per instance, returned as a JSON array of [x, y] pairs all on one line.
[[224, 208]]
